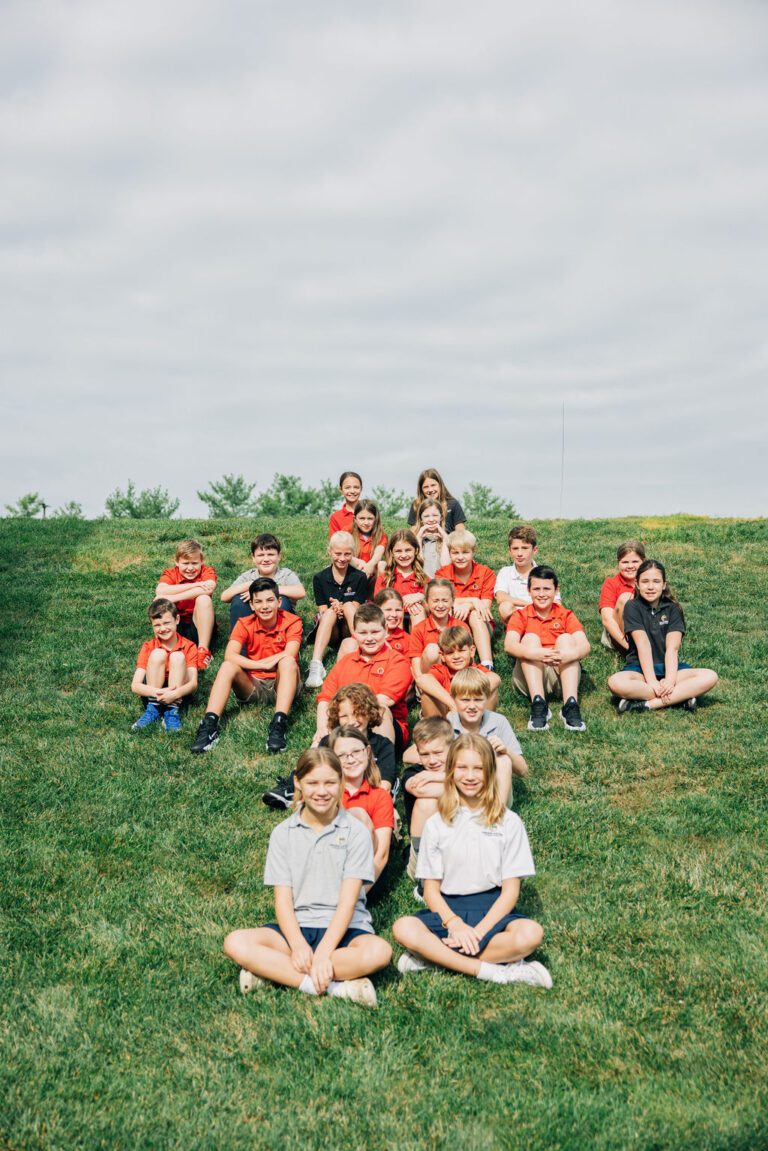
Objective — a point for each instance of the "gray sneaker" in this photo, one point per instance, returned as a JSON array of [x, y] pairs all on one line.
[[316, 674], [533, 973], [408, 963]]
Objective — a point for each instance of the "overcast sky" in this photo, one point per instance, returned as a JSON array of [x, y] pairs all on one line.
[[256, 237]]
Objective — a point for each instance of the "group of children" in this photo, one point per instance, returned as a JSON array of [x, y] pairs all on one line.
[[411, 617]]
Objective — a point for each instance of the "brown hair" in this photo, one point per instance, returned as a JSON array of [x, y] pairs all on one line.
[[309, 759], [445, 495], [449, 802], [159, 607], [268, 541], [629, 546], [376, 531], [189, 550], [455, 637], [403, 535], [522, 532], [372, 774], [368, 613], [434, 727], [364, 703], [346, 475]]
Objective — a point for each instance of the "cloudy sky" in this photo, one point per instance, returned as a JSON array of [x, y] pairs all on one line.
[[253, 237]]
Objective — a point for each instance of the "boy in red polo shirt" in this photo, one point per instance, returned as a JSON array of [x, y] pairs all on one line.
[[166, 669], [376, 664], [267, 673], [190, 585], [350, 486], [547, 642], [473, 585], [457, 652]]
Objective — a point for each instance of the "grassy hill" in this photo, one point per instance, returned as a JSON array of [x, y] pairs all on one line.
[[125, 860]]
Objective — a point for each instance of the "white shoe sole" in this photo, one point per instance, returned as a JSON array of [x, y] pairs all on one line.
[[358, 991], [248, 981]]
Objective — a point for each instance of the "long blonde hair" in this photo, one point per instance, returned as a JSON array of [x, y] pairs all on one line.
[[404, 535], [450, 801]]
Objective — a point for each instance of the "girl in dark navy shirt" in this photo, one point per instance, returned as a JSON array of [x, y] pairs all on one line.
[[653, 675]]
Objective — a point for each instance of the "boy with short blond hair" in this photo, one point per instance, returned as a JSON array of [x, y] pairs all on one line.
[[457, 651], [469, 690], [190, 584], [267, 673], [166, 669], [423, 778], [473, 585], [339, 590], [547, 641]]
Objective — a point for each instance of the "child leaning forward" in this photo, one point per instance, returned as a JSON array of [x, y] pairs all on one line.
[[317, 861], [472, 857]]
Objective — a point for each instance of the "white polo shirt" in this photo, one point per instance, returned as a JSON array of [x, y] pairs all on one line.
[[467, 856], [509, 581]]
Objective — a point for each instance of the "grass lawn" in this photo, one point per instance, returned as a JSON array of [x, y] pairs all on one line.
[[125, 860]]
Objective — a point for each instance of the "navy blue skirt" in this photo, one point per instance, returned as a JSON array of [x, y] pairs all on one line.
[[471, 908]]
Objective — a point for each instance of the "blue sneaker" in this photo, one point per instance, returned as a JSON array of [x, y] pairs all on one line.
[[171, 718], [150, 715]]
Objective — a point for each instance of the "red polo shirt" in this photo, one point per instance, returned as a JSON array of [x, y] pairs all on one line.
[[375, 801], [386, 673], [261, 642], [560, 621], [480, 584]]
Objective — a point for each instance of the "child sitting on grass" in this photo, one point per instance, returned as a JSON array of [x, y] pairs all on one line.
[[423, 647], [457, 651], [190, 585], [318, 860], [402, 570], [470, 691], [166, 669], [265, 551], [362, 794], [473, 587], [511, 587], [423, 779], [547, 642], [473, 854], [654, 676], [339, 590], [369, 539], [267, 673], [350, 486], [616, 592]]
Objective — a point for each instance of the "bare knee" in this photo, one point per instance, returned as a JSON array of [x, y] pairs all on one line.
[[378, 953], [403, 929], [233, 943], [529, 935]]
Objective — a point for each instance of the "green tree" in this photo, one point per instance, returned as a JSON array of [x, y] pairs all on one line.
[[27, 506], [228, 497], [152, 503], [69, 511], [390, 502], [287, 496], [480, 503], [327, 497]]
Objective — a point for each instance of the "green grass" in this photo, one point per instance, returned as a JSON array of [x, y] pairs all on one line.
[[125, 860]]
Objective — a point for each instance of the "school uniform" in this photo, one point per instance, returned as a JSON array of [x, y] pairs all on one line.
[[283, 577], [315, 865], [352, 589], [454, 514], [657, 623], [471, 860]]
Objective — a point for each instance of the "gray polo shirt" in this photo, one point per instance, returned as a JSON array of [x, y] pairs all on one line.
[[314, 865], [283, 577], [492, 723]]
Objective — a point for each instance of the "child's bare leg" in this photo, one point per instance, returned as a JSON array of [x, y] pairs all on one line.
[[533, 671], [412, 934], [518, 939], [364, 818], [430, 707], [387, 725], [326, 632], [228, 676], [422, 809], [286, 683], [156, 668], [177, 669], [493, 699], [364, 955], [265, 953], [630, 685], [569, 672], [349, 610], [481, 636], [348, 646], [693, 681], [203, 617], [504, 777]]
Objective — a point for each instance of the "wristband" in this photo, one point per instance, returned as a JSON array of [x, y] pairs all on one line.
[[450, 919]]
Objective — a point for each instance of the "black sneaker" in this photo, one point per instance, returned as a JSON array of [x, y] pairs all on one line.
[[540, 714], [207, 734], [281, 795], [626, 705], [277, 739], [571, 716], [690, 704]]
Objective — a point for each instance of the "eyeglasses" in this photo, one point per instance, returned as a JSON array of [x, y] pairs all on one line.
[[351, 756]]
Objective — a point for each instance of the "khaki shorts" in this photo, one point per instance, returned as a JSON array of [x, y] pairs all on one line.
[[551, 680], [265, 691], [607, 641]]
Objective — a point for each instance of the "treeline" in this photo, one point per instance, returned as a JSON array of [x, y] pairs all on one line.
[[233, 497]]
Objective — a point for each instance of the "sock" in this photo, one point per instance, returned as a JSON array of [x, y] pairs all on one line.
[[487, 663], [307, 986], [416, 843], [153, 701], [492, 972]]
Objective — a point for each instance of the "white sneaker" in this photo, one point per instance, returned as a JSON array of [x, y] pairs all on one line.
[[408, 963], [248, 981], [534, 973], [358, 990], [418, 896], [316, 674]]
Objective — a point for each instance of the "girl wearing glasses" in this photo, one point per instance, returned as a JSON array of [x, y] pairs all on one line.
[[362, 795]]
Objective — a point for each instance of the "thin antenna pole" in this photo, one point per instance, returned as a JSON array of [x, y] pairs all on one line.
[[562, 463]]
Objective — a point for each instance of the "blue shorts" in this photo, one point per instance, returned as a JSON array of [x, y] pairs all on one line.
[[313, 935], [471, 908], [659, 669]]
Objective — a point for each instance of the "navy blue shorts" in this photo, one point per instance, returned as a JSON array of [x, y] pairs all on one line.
[[471, 908], [659, 669], [313, 935]]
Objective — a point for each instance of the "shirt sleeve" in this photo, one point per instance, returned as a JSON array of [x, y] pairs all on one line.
[[633, 617], [358, 861], [294, 631], [676, 621], [384, 754], [430, 862], [455, 514], [572, 624], [411, 515], [190, 654], [360, 586], [516, 859], [518, 622], [608, 594], [170, 576], [319, 590], [502, 582], [398, 679], [277, 871], [239, 633], [383, 812], [507, 735], [410, 772], [142, 659], [487, 583], [331, 684], [288, 577]]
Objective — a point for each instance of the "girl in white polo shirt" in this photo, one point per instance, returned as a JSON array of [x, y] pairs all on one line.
[[473, 854], [317, 861]]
